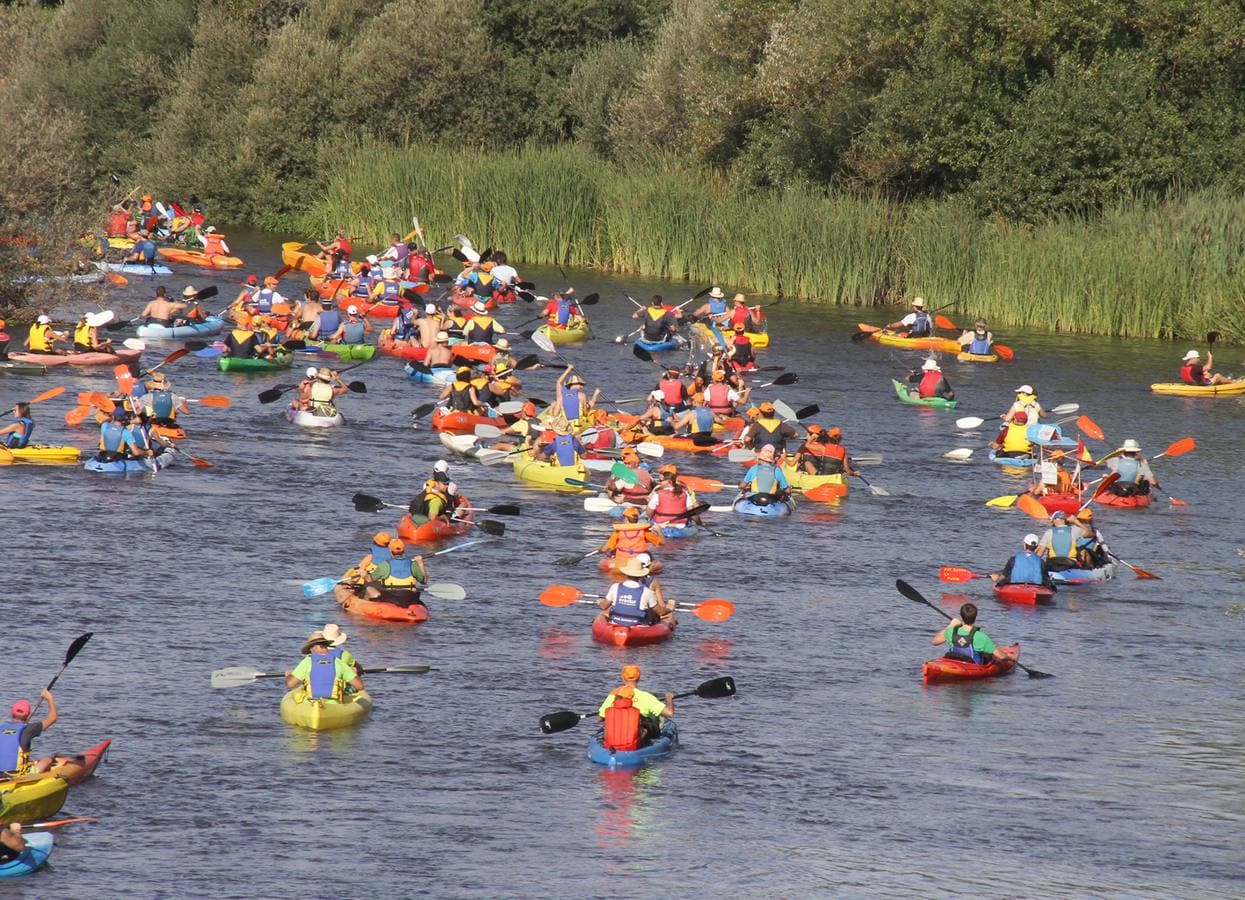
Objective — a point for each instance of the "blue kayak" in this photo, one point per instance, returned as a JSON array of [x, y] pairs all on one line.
[[659, 346], [136, 268], [132, 466], [210, 325], [771, 510], [1013, 462], [626, 759], [38, 849], [439, 376], [674, 532]]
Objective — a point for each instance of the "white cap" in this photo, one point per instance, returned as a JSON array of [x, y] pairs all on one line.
[[372, 259], [1192, 354], [929, 365], [1031, 539], [352, 310], [657, 395], [44, 320], [1025, 389], [440, 466], [452, 488], [311, 372], [430, 309], [644, 559], [540, 299], [918, 302]]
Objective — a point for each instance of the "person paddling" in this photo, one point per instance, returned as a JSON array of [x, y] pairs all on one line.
[[669, 503], [42, 338], [1059, 544], [715, 309], [630, 538], [764, 478], [161, 404], [17, 734], [979, 341], [930, 382], [323, 675], [916, 324], [1026, 567], [657, 324], [86, 334], [966, 642], [823, 453], [18, 434], [1194, 371], [12, 844], [632, 716], [352, 331], [631, 601], [1134, 471]]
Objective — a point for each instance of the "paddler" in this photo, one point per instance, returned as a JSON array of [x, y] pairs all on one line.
[[657, 324], [378, 552], [419, 264], [18, 434], [364, 281], [481, 328], [213, 242], [721, 396], [715, 309], [505, 273], [42, 339], [17, 734], [743, 314], [266, 298], [114, 438], [570, 400], [930, 382], [1091, 546], [1058, 545], [1025, 567], [323, 674], [433, 502], [323, 390], [439, 355], [502, 356], [1026, 402], [304, 315], [698, 419], [86, 335], [673, 391], [462, 393], [1194, 371], [621, 491], [669, 502], [327, 322], [630, 537], [336, 637], [161, 404], [480, 282], [12, 844], [404, 572], [1134, 471], [143, 251], [765, 477], [979, 341], [657, 418], [245, 342], [633, 717], [823, 453], [743, 357], [1013, 438], [336, 251], [966, 642], [503, 385], [564, 449], [767, 428], [560, 311], [631, 601], [918, 323], [352, 331], [245, 296]]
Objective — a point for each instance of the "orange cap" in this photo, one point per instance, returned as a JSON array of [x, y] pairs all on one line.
[[396, 546], [382, 538], [630, 672], [631, 514]]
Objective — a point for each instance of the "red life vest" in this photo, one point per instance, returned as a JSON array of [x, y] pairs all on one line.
[[622, 725], [345, 248], [929, 382], [741, 351], [740, 315], [672, 389], [718, 398], [631, 539], [639, 492], [118, 223], [670, 505], [1186, 373]]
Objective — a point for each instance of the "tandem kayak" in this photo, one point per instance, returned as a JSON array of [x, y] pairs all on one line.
[[77, 359], [132, 466], [9, 367], [255, 363], [441, 376], [943, 670], [571, 334], [1029, 594], [1180, 389], [408, 609], [81, 766], [965, 356], [1131, 501], [537, 471], [308, 419], [711, 335], [660, 346], [433, 531], [605, 632], [625, 759], [890, 339], [357, 352], [199, 258], [908, 395], [766, 510], [38, 849], [800, 480], [25, 800], [210, 325], [1084, 576], [134, 268], [44, 454], [324, 715]]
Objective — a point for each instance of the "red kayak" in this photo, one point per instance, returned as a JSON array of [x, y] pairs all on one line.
[[460, 422], [1106, 498], [434, 531], [1030, 594], [943, 670], [401, 349], [629, 635], [382, 309], [383, 610], [1066, 503], [78, 768], [466, 300]]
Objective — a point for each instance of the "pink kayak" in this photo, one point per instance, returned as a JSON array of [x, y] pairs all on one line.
[[77, 359]]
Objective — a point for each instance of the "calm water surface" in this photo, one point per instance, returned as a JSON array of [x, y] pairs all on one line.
[[833, 772]]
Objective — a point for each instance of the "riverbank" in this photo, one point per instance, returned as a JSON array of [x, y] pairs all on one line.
[[1140, 269]]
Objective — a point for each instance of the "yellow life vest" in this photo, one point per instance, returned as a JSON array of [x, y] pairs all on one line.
[[1017, 440], [40, 337], [82, 335]]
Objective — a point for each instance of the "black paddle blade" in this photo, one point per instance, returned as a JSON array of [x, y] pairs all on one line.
[[422, 410], [537, 402], [504, 509], [570, 560], [272, 394], [909, 591], [694, 511], [525, 285], [717, 688], [704, 439], [295, 344], [366, 503], [1034, 673], [577, 482], [207, 292], [860, 337], [417, 366], [496, 529], [76, 647], [458, 255], [786, 378], [527, 335], [590, 299], [530, 361], [811, 410], [357, 387], [559, 721], [1211, 337], [640, 353]]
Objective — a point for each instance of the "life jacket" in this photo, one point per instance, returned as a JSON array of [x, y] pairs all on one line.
[[401, 573], [161, 403], [1016, 439], [460, 396], [40, 338], [1129, 469], [571, 407], [718, 398], [341, 271], [391, 288], [14, 759], [419, 266], [962, 646], [264, 299], [82, 334], [980, 345], [928, 385], [345, 248], [622, 725], [564, 449], [213, 244], [827, 458], [740, 315], [674, 392], [639, 491], [380, 554], [479, 330], [241, 343], [1061, 543], [482, 284], [118, 224], [354, 333], [21, 440], [363, 287], [923, 326], [717, 307], [113, 436], [626, 607], [562, 312], [322, 682], [321, 393], [330, 321], [670, 506], [631, 538], [741, 351], [1186, 373], [140, 440], [1026, 568], [703, 421], [768, 431], [764, 478], [656, 324]]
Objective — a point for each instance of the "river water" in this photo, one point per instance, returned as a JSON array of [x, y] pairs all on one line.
[[833, 772]]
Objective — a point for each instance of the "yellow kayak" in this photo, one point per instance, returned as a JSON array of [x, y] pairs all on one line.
[[802, 481], [537, 472], [712, 335], [977, 357], [31, 799], [1181, 389], [890, 339], [42, 453], [322, 715]]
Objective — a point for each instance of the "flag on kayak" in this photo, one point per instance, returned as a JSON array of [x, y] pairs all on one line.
[[1082, 452]]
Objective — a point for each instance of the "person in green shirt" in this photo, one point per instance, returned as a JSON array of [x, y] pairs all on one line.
[[966, 642], [650, 708], [317, 659]]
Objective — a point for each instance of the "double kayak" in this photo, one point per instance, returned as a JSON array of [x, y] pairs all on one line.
[[943, 670], [38, 849], [134, 268], [407, 609], [803, 481], [1130, 501], [673, 343], [255, 363], [765, 510], [152, 332], [1180, 389], [535, 471], [1084, 576], [38, 453], [604, 632], [908, 395], [711, 334], [571, 334], [30, 799], [1028, 594], [308, 419], [434, 530], [132, 466], [890, 339], [624, 759], [199, 258], [9, 367], [77, 359], [324, 715], [441, 376], [1025, 462]]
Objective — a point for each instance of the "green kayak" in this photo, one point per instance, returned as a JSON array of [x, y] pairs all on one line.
[[13, 367], [358, 352], [907, 395], [230, 364]]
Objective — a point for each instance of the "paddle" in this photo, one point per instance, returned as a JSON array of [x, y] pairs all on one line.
[[57, 823], [324, 585], [782, 380], [713, 689], [713, 610], [1137, 570], [873, 488], [968, 423], [914, 595], [237, 676], [957, 574], [576, 560], [1005, 353], [827, 493], [46, 395], [74, 649]]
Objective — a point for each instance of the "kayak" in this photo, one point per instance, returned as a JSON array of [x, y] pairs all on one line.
[[467, 445], [1030, 594], [441, 376], [539, 472], [359, 352], [890, 339], [802, 481], [908, 395], [965, 356], [255, 363], [460, 422], [84, 278], [629, 635], [132, 466], [433, 531], [78, 768], [622, 759], [307, 419], [1084, 576], [210, 325], [134, 268], [660, 346], [199, 258], [322, 715], [1065, 503], [1132, 501], [383, 610], [771, 510], [307, 262], [1199, 390], [943, 670], [9, 367], [41, 453], [572, 334], [381, 309], [25, 800], [711, 334], [401, 349], [38, 849], [77, 359], [477, 353], [1013, 462], [673, 531]]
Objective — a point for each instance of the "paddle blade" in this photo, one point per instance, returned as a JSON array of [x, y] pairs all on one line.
[[969, 422], [640, 353], [125, 380], [367, 503], [1145, 574], [1182, 446], [811, 410], [785, 379], [1004, 352], [559, 721], [48, 394], [621, 472], [827, 493], [956, 574], [961, 453], [216, 401], [701, 485], [650, 449], [446, 591], [77, 416], [714, 610], [1005, 502], [271, 395], [1031, 506], [943, 322], [740, 455], [496, 529], [200, 463], [235, 676], [117, 278], [319, 587], [76, 647], [560, 595], [541, 340], [504, 509], [1090, 428], [716, 688]]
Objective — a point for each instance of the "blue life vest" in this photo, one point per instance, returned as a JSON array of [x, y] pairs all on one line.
[[703, 423], [570, 403], [380, 555], [147, 249], [21, 440], [404, 324], [565, 309], [323, 675], [138, 438], [330, 321], [1129, 469], [10, 745], [263, 299], [483, 289], [354, 333], [391, 288], [626, 609], [342, 269], [363, 287], [717, 307], [1061, 541], [962, 646], [162, 404], [979, 346], [764, 479], [114, 436], [564, 449], [400, 568], [1026, 568], [922, 326]]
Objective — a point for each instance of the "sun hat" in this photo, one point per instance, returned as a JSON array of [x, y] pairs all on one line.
[[918, 302], [325, 375], [479, 307], [334, 634], [576, 379], [311, 371], [1131, 446], [1086, 513], [502, 344], [189, 291], [315, 639], [44, 320], [716, 293], [633, 567], [372, 259], [396, 546], [442, 337], [930, 365], [740, 298], [1192, 354], [631, 672], [1031, 540], [211, 229], [158, 378], [20, 708], [668, 469], [352, 310]]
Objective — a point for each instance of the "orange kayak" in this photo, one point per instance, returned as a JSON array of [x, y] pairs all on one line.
[[629, 635], [401, 349], [78, 768], [460, 422], [434, 531], [382, 610], [294, 258], [198, 258]]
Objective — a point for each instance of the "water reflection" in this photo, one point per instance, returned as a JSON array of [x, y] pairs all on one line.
[[626, 814]]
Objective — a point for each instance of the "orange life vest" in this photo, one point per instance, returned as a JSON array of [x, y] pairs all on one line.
[[622, 725]]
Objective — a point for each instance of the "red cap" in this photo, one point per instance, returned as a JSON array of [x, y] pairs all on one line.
[[21, 708], [252, 279]]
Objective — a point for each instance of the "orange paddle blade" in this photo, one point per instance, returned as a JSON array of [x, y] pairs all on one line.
[[1004, 352], [943, 322], [103, 402], [216, 401], [1090, 428], [714, 609], [1176, 502], [560, 595], [117, 278], [701, 485], [827, 493], [125, 380], [1182, 446], [421, 289], [49, 394], [1030, 505], [200, 463], [870, 329], [1102, 486], [1145, 574], [77, 416], [956, 574]]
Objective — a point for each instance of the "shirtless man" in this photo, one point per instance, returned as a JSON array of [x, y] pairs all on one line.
[[440, 355], [162, 310], [428, 325]]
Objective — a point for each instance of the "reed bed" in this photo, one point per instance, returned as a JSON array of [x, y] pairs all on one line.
[[1138, 269]]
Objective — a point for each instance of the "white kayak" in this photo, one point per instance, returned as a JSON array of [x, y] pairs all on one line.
[[308, 419], [210, 325]]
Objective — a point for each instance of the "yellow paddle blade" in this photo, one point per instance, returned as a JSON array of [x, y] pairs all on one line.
[[1004, 502]]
